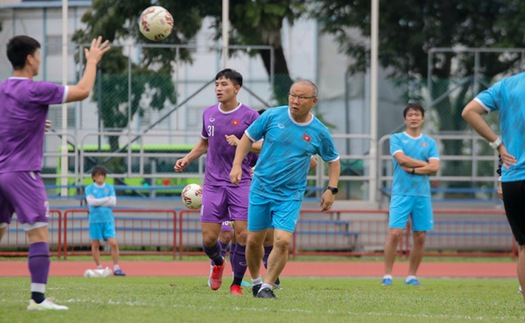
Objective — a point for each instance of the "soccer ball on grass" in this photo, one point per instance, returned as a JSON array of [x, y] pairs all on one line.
[[155, 23], [192, 196]]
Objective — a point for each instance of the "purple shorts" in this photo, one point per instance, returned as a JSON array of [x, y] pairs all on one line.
[[25, 194], [225, 203]]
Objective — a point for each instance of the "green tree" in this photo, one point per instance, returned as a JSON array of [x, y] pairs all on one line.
[[260, 23], [409, 28], [117, 20]]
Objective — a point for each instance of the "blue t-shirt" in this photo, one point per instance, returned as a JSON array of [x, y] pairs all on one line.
[[421, 148], [99, 214], [507, 97], [284, 161]]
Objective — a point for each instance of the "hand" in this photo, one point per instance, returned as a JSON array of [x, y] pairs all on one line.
[[232, 140], [507, 159], [96, 50], [407, 169], [327, 200], [48, 125], [500, 190], [180, 165], [252, 170], [236, 174]]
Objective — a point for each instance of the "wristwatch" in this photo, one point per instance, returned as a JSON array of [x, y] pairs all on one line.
[[334, 190], [496, 143]]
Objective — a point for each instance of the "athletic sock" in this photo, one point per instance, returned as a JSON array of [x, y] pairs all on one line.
[[257, 281], [38, 263], [214, 253], [239, 261], [266, 286]]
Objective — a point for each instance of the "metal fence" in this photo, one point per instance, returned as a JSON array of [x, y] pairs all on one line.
[[142, 165], [337, 232]]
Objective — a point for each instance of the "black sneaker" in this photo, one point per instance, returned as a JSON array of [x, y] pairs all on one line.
[[266, 293], [255, 289]]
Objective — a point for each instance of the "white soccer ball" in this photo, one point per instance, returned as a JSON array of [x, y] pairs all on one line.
[[192, 196], [155, 23]]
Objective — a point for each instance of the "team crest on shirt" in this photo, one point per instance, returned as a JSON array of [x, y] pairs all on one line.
[[307, 137], [424, 144], [212, 119], [235, 122]]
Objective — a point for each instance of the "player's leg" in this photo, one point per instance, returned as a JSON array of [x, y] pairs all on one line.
[[214, 212], [212, 249], [422, 221], [521, 267], [28, 197], [279, 255], [6, 212], [3, 228], [238, 260], [416, 255], [398, 217], [110, 236], [95, 252], [259, 220], [514, 205], [268, 246], [225, 241], [238, 198], [115, 255], [254, 253], [285, 215]]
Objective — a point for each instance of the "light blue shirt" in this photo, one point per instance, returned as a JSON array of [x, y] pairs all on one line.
[[507, 97], [101, 213], [284, 161], [421, 148]]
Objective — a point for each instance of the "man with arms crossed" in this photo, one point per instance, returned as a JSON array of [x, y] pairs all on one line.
[[415, 156]]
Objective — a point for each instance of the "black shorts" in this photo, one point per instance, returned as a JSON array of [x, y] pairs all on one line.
[[514, 201]]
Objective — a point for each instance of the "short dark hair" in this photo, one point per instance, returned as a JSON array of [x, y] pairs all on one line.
[[230, 74], [414, 106], [98, 170], [18, 48]]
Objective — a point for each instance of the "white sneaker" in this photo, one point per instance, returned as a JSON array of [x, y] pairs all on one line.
[[520, 290], [46, 305]]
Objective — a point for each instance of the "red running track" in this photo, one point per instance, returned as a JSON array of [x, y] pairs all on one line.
[[292, 269]]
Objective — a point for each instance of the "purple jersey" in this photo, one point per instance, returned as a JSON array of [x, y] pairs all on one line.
[[24, 110], [216, 124]]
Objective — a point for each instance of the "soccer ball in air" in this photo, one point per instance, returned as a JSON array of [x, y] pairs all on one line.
[[155, 23], [192, 196]]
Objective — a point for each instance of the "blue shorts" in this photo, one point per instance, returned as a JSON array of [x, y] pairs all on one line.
[[265, 213], [224, 203], [418, 208], [102, 231]]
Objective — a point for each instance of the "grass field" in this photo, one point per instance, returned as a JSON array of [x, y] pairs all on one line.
[[188, 299]]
